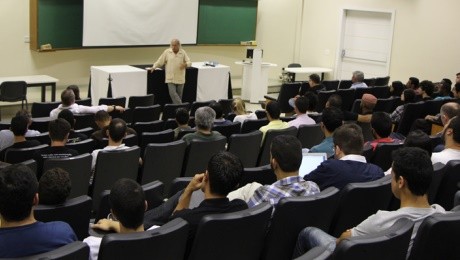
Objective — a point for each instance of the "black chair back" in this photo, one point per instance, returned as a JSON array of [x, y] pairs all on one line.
[[411, 112], [198, 154], [228, 130], [345, 84], [348, 97], [153, 126], [310, 135], [386, 104], [43, 138], [381, 92], [382, 81], [449, 185], [323, 96], [170, 124], [146, 114], [40, 123], [43, 109], [153, 194], [287, 91], [84, 102], [250, 125], [246, 147], [382, 155], [140, 101], [84, 121], [226, 106], [74, 250], [85, 146], [17, 155], [262, 174], [32, 164], [264, 156], [164, 136], [197, 104], [118, 101], [331, 84], [12, 91], [169, 110]]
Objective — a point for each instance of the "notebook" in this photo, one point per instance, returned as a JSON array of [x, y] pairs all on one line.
[[310, 161]]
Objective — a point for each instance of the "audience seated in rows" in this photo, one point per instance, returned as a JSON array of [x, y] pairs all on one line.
[[182, 118], [7, 135], [447, 112], [410, 180], [19, 128], [300, 109], [273, 114], [331, 119], [426, 90], [20, 234], [204, 120], [408, 96], [414, 84], [68, 102], [445, 90], [357, 80], [219, 119], [349, 166], [74, 137], [381, 130], [54, 187], [396, 88], [368, 103], [314, 86], [451, 136], [59, 130], [103, 119], [239, 108]]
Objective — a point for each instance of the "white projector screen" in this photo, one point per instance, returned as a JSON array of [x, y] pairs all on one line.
[[139, 22]]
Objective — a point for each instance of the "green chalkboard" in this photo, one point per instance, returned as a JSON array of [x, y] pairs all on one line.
[[60, 22]]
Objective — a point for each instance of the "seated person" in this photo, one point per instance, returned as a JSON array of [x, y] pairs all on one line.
[[300, 109], [239, 108], [59, 130], [332, 118], [20, 234], [74, 137], [127, 205], [273, 114], [103, 119], [427, 89], [445, 90], [367, 106], [381, 130], [410, 180], [19, 127], [285, 160], [396, 89], [182, 118], [451, 136], [204, 120], [54, 187], [76, 91], [357, 80], [219, 120], [349, 166], [314, 86], [7, 136], [407, 97]]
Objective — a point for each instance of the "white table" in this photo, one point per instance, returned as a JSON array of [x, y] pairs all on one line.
[[309, 70], [212, 82], [36, 81], [125, 81], [255, 81]]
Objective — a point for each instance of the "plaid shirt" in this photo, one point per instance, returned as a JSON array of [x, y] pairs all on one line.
[[397, 113], [293, 186]]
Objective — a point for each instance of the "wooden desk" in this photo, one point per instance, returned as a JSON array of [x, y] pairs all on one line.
[[37, 81], [309, 70]]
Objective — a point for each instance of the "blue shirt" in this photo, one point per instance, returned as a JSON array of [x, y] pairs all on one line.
[[358, 85], [34, 238], [326, 146]]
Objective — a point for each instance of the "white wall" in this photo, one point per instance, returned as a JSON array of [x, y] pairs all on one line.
[[424, 44]]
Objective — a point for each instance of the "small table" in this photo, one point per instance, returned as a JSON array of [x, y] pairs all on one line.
[[212, 82], [37, 81], [309, 70]]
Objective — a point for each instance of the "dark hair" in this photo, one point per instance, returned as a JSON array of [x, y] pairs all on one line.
[[381, 123], [76, 91], [19, 125], [273, 109], [182, 116], [349, 137], [117, 129], [414, 81], [409, 96], [312, 100], [301, 103], [427, 86], [332, 118], [398, 88], [446, 87], [457, 87], [420, 139], [287, 151], [58, 129], [454, 124], [224, 171], [18, 186], [414, 165], [217, 107], [127, 201], [67, 97], [54, 187], [23, 112], [102, 116], [67, 115], [315, 78], [335, 101]]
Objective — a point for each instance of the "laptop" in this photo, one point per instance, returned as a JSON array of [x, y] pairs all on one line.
[[310, 161]]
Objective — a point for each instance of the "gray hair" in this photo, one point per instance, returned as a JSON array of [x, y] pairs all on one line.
[[359, 75], [204, 118], [175, 41]]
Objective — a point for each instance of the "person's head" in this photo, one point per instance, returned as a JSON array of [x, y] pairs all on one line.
[[54, 187], [381, 124], [448, 111], [420, 139], [456, 90], [19, 125], [117, 130], [412, 172], [446, 87], [76, 91], [286, 154], [67, 115], [301, 105], [175, 45], [217, 107], [25, 113], [224, 173], [413, 83], [451, 132], [102, 118], [368, 102], [427, 87], [204, 118], [312, 100], [18, 192], [127, 203], [182, 116], [59, 130], [67, 97], [348, 139], [332, 118], [334, 101], [358, 76], [238, 106], [408, 96], [273, 110], [396, 89], [457, 78], [314, 79]]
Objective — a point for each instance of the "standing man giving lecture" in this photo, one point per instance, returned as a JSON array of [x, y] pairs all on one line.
[[175, 60]]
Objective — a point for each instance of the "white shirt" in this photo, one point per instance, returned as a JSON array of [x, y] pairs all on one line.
[[445, 156], [302, 119], [107, 148], [354, 157], [7, 137], [241, 118], [77, 109], [358, 85]]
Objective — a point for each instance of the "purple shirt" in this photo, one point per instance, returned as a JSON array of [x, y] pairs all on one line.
[[302, 119]]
